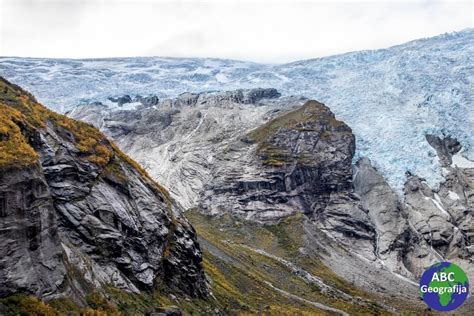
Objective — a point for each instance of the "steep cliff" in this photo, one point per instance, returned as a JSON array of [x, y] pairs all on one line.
[[292, 163], [77, 215]]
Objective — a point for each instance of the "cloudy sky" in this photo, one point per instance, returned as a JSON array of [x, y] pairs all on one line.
[[263, 31]]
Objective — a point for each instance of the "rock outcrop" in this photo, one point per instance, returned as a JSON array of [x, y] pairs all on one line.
[[264, 158], [76, 214], [290, 164], [386, 212], [444, 217], [445, 147]]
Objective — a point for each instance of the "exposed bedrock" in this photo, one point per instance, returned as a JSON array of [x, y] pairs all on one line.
[[30, 245], [178, 140], [265, 157], [80, 215], [443, 217], [290, 164]]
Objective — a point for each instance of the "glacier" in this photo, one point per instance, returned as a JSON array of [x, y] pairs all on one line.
[[391, 97]]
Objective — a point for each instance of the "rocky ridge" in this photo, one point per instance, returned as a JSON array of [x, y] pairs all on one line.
[[292, 162], [78, 215]]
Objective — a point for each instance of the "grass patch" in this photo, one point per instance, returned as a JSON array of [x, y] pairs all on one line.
[[21, 115], [22, 304], [90, 142], [301, 120], [239, 274], [310, 111], [15, 151]]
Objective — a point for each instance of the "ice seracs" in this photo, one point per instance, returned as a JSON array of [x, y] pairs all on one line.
[[389, 97]]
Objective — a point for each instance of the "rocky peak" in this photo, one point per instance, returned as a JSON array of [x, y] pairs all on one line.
[[290, 163], [308, 137], [121, 100], [251, 96], [445, 147], [76, 214], [146, 101]]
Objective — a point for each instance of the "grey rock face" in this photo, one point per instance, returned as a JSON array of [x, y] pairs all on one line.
[[292, 164], [122, 100], [178, 141], [30, 243], [427, 226], [251, 96], [148, 101], [71, 225], [265, 158], [443, 217], [445, 147], [386, 213]]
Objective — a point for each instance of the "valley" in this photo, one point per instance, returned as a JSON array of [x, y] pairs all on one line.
[[187, 186]]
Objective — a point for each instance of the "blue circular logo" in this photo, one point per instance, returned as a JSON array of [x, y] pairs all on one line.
[[444, 286]]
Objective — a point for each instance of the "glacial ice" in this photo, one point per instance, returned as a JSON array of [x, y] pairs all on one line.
[[390, 97]]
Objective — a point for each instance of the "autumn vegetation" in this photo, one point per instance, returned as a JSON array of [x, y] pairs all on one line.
[[14, 147], [300, 120], [21, 115], [21, 119]]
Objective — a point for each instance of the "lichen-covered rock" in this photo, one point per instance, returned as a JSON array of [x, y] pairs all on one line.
[[83, 215]]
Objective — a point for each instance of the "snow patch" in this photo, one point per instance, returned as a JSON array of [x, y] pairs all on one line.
[[220, 77], [437, 202], [453, 196], [444, 172], [461, 162]]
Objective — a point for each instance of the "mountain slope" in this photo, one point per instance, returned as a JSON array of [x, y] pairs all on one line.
[[177, 140], [83, 225], [252, 161], [77, 215], [390, 97], [287, 223]]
